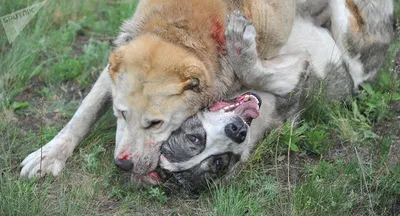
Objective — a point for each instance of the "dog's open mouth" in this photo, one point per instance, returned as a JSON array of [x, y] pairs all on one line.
[[246, 106]]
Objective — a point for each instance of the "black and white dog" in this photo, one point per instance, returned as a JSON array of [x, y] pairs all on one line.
[[346, 41]]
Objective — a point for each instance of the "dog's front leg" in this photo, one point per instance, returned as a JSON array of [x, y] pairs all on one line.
[[51, 158], [279, 75]]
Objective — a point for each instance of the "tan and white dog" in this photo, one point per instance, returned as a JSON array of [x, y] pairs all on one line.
[[170, 61]]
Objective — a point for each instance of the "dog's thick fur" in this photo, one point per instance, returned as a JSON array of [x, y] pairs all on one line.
[[346, 49], [170, 60]]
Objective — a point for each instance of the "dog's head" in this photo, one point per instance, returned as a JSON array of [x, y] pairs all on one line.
[[209, 144], [157, 85]]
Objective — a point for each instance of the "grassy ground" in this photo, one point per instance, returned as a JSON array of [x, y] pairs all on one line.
[[344, 159]]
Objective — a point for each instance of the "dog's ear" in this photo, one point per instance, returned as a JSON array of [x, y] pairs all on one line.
[[114, 64], [195, 77], [191, 84]]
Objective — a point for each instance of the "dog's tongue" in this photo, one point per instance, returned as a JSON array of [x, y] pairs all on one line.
[[247, 110], [219, 105]]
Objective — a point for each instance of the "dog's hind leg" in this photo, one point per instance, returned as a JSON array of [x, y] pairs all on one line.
[[278, 75], [363, 30], [51, 158]]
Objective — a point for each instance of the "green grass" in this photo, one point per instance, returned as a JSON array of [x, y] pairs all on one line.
[[343, 159]]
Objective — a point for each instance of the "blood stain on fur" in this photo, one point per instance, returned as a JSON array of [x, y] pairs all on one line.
[[218, 34]]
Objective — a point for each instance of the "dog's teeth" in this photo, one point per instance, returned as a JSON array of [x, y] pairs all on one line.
[[255, 98], [237, 104], [246, 97]]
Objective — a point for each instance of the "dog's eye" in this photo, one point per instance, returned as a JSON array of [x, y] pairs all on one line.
[[193, 139], [123, 113], [219, 164]]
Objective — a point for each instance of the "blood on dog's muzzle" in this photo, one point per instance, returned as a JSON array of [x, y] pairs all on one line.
[[236, 130]]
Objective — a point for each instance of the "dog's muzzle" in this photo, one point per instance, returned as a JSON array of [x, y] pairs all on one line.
[[237, 130]]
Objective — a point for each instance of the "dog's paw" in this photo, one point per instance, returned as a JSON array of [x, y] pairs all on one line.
[[241, 40], [50, 159]]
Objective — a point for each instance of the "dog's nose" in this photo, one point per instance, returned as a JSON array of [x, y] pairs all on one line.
[[236, 130], [124, 164]]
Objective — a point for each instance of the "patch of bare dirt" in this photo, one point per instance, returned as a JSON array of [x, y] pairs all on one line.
[[391, 127], [30, 94], [291, 168], [172, 208], [71, 90], [32, 91], [77, 45], [37, 114], [108, 207]]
